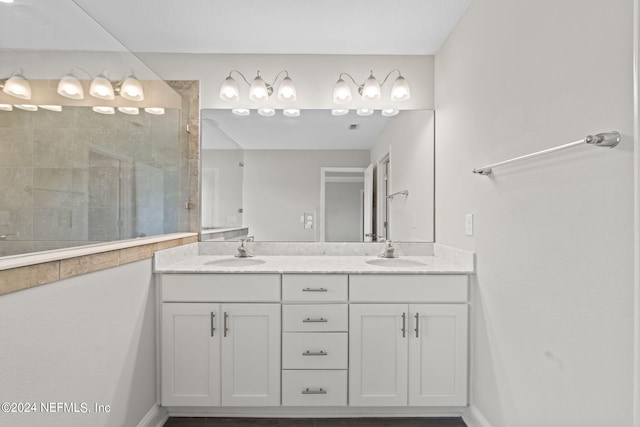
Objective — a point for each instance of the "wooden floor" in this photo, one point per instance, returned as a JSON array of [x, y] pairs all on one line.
[[315, 422]]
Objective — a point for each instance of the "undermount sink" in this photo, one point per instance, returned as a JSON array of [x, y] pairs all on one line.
[[395, 262], [236, 262]]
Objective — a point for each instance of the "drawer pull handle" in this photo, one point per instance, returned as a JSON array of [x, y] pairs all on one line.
[[213, 323], [315, 353], [311, 391], [314, 290], [417, 323], [310, 320]]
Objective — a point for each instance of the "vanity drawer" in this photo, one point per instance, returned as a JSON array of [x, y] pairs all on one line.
[[408, 288], [221, 287], [314, 287], [314, 351], [315, 318], [314, 388]]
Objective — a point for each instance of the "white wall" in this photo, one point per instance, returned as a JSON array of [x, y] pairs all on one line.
[[409, 138], [280, 185], [314, 76], [552, 305], [87, 339]]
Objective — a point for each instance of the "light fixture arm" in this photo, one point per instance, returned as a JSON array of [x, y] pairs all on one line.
[[352, 79], [389, 74], [241, 75]]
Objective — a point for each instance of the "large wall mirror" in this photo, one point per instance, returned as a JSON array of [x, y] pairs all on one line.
[[318, 176]]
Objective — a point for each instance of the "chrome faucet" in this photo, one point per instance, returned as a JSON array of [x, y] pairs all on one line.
[[389, 251], [242, 250]]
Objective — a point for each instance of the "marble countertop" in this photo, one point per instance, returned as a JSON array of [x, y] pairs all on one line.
[[313, 264]]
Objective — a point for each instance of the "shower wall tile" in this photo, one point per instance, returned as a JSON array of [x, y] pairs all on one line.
[[58, 148], [56, 187], [60, 223], [14, 187], [16, 223], [16, 147], [45, 119], [104, 224], [16, 119]]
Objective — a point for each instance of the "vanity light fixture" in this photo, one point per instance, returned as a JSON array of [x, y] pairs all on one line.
[[241, 111], [70, 87], [104, 110], [291, 112], [130, 88], [267, 112], [389, 112], [338, 112], [6, 1], [258, 89], [158, 111], [364, 112], [17, 85], [56, 108], [101, 87], [26, 107], [134, 111], [6, 107], [371, 89]]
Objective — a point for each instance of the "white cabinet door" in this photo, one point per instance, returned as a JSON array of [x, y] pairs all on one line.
[[250, 354], [438, 355], [190, 354], [378, 354]]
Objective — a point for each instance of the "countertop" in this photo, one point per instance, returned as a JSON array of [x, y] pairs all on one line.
[[313, 264]]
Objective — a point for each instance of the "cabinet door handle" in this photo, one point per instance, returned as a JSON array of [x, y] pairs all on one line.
[[417, 323], [404, 325], [315, 353], [311, 391], [213, 323], [226, 329], [314, 290], [310, 320]]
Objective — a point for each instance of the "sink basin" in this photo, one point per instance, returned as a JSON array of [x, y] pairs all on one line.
[[395, 262], [236, 262]]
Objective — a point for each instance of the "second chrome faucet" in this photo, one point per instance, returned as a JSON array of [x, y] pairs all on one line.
[[242, 249]]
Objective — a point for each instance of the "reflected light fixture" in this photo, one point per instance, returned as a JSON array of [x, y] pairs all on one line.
[[26, 107], [129, 110], [291, 112], [104, 110], [101, 87], [389, 112], [370, 90], [56, 108], [70, 87], [158, 111], [6, 1], [267, 112], [364, 112], [6, 107], [241, 111], [17, 85], [259, 90], [130, 88], [339, 112]]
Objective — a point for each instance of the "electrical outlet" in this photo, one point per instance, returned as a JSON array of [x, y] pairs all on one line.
[[468, 224]]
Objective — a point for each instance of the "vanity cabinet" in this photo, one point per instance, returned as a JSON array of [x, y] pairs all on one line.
[[408, 354], [220, 353], [328, 340]]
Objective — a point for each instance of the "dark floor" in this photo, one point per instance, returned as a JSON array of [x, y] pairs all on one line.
[[315, 422]]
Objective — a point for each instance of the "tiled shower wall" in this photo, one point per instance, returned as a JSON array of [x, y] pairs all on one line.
[[77, 177]]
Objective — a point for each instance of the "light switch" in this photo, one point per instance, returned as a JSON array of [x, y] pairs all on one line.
[[468, 224]]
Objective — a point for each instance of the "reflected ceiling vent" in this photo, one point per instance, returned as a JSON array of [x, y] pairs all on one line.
[[353, 127]]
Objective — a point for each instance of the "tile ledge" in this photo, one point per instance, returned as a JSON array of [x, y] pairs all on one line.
[[60, 254]]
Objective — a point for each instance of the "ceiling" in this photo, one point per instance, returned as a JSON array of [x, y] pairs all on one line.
[[313, 129], [376, 27]]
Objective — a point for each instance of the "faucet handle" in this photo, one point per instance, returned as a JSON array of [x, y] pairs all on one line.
[[249, 239]]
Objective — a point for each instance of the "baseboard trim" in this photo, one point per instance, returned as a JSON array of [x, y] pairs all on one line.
[[156, 417], [472, 417], [315, 412]]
